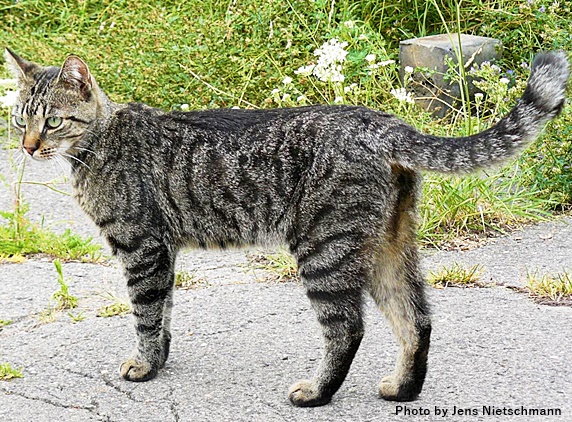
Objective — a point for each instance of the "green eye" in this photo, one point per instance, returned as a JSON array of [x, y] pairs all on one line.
[[19, 121], [53, 122]]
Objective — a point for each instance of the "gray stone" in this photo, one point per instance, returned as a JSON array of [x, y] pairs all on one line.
[[432, 89]]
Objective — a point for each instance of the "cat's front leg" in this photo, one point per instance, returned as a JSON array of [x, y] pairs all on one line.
[[149, 270]]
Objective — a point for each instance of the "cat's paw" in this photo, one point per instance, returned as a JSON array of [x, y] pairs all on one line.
[[391, 389], [136, 370], [305, 394]]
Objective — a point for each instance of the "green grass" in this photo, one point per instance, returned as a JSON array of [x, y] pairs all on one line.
[[117, 307], [552, 288], [189, 280], [7, 372], [19, 237], [281, 266], [456, 275], [4, 322], [211, 54], [63, 298]]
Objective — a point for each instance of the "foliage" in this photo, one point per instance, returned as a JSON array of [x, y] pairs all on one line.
[[554, 287], [63, 298], [456, 275], [7, 372]]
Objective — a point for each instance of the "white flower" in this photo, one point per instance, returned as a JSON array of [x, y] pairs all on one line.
[[235, 108], [402, 95], [479, 96], [350, 24], [504, 81], [305, 70], [184, 107], [9, 83], [301, 98], [286, 97], [287, 80], [338, 100], [362, 37], [275, 91], [370, 58], [330, 55], [386, 63], [9, 99], [408, 69]]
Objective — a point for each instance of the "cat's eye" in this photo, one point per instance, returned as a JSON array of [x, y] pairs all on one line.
[[19, 121], [53, 122]]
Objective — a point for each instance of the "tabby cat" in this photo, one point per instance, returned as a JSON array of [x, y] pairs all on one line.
[[339, 185]]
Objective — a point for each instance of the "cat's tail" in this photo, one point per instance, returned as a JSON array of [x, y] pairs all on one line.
[[542, 100]]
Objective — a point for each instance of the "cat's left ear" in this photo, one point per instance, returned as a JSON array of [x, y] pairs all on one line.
[[20, 68], [75, 74]]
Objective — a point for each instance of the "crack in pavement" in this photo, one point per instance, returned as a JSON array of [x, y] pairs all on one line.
[[56, 403], [173, 405], [105, 380]]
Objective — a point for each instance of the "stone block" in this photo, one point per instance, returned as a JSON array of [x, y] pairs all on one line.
[[432, 89]]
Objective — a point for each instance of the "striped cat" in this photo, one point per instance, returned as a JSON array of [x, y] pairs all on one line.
[[339, 185]]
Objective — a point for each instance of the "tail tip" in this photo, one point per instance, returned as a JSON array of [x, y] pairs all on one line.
[[549, 76]]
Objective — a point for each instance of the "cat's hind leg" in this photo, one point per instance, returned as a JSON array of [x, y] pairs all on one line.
[[149, 270], [398, 289]]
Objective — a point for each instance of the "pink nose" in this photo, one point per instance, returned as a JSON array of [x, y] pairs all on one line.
[[31, 149], [31, 145]]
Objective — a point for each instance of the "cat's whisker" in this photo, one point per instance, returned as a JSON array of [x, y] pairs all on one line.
[[84, 149], [65, 154]]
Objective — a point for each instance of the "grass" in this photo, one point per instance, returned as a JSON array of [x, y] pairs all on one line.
[[118, 307], [20, 237], [281, 266], [189, 280], [4, 323], [456, 275], [63, 298], [7, 372], [211, 54], [555, 289]]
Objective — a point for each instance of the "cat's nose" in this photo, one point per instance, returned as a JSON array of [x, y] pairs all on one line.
[[31, 145], [31, 149]]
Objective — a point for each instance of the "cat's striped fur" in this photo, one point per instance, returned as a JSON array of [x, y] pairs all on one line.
[[338, 185]]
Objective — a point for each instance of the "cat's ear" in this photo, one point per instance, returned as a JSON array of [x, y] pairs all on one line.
[[75, 74], [20, 68]]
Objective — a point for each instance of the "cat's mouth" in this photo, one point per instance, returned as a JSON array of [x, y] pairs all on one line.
[[41, 154]]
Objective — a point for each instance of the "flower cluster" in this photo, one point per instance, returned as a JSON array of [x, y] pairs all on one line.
[[331, 56], [402, 95], [9, 98]]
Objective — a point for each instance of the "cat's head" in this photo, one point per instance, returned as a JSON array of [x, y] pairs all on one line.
[[55, 106]]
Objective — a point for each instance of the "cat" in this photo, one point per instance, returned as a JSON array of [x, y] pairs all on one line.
[[338, 185]]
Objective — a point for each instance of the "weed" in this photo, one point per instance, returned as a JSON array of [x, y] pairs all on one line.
[[64, 300], [77, 318], [4, 322], [7, 372], [281, 265], [117, 308], [48, 315], [19, 237], [456, 276], [550, 288], [189, 280]]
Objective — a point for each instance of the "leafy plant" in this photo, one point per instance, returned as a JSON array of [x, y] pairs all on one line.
[[118, 307], [64, 300], [189, 280], [7, 372]]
